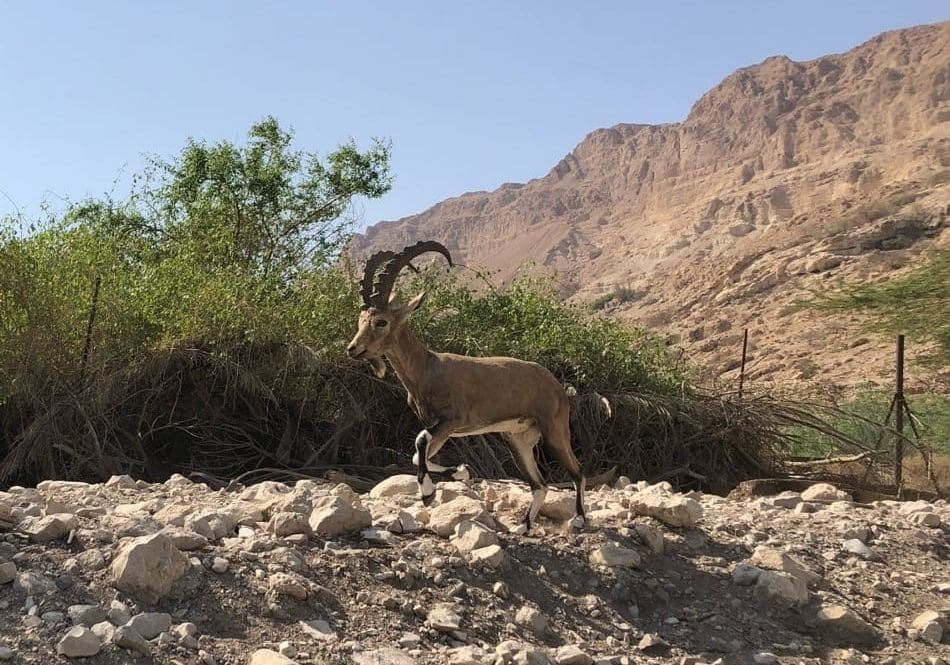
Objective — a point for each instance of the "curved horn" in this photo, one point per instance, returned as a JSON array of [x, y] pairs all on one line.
[[387, 277], [369, 274]]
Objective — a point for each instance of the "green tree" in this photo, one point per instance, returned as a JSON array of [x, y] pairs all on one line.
[[916, 303]]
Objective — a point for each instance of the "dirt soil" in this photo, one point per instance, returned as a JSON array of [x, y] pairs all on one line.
[[654, 577]]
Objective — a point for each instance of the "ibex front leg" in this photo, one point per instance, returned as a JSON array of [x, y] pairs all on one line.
[[428, 443]]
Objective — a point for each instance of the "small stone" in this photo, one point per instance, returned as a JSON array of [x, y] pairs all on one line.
[[105, 631], [781, 589], [79, 642], [444, 618], [651, 537], [930, 520], [334, 515], [6, 653], [127, 638], [7, 572], [840, 622], [471, 536], [186, 629], [86, 615], [383, 657], [150, 624], [53, 617], [286, 648], [492, 556], [285, 584], [34, 584], [318, 629], [119, 613], [787, 500], [269, 657], [51, 527], [219, 565], [445, 516], [825, 492], [288, 524], [500, 589], [572, 654], [745, 574], [185, 540], [765, 658], [533, 619], [673, 510], [615, 556], [398, 485], [855, 546], [772, 559], [651, 641], [147, 567]]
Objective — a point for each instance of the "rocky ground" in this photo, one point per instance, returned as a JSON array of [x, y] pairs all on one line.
[[126, 572]]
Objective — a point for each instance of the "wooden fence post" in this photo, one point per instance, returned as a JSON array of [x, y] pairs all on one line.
[[745, 347], [899, 416]]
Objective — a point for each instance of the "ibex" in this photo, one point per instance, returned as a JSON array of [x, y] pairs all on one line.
[[456, 395]]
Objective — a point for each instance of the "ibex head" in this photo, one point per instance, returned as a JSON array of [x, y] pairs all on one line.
[[383, 316]]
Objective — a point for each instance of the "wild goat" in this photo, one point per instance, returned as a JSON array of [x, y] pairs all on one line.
[[456, 395]]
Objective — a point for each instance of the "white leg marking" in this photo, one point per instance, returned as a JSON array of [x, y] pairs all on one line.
[[536, 501], [415, 459], [462, 474], [426, 488]]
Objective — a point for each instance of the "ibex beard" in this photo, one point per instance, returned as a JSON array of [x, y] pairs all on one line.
[[458, 396]]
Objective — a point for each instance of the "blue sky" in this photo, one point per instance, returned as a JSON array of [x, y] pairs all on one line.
[[472, 94]]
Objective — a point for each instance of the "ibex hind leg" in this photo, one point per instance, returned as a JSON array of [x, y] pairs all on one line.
[[558, 438], [522, 450], [426, 486]]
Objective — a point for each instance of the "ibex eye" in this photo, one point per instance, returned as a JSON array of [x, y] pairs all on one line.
[[381, 323]]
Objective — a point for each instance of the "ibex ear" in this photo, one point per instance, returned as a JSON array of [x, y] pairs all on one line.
[[415, 303]]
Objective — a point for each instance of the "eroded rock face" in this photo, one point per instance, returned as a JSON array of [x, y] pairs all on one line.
[[147, 567]]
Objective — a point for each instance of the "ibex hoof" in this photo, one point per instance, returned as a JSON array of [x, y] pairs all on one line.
[[461, 473], [426, 490], [578, 523]]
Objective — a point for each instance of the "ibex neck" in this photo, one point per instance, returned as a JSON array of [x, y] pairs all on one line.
[[409, 357]]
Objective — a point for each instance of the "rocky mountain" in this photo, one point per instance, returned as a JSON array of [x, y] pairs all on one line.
[[784, 178]]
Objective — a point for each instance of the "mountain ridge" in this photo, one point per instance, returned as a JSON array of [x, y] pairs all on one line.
[[720, 221]]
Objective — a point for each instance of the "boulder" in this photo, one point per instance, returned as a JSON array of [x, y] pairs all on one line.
[[673, 510], [781, 589], [79, 642], [837, 622], [150, 624], [335, 515], [615, 556], [398, 485], [772, 559], [268, 657], [825, 493], [146, 567], [492, 556], [51, 527], [446, 516], [471, 535]]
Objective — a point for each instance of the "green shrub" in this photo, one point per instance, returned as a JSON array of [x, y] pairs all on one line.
[[620, 295], [862, 416], [216, 338]]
